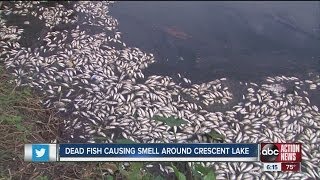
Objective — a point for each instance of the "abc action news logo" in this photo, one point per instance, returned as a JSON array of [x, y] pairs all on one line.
[[280, 152]]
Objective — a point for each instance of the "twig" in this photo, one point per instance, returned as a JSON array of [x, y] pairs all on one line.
[[10, 174], [13, 89], [32, 108]]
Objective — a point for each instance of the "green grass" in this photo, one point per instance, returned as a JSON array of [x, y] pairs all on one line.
[[10, 101], [17, 109]]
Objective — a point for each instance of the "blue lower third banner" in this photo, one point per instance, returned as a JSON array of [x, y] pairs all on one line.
[[158, 152]]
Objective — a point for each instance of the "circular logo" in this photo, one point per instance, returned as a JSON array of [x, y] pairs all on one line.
[[269, 153]]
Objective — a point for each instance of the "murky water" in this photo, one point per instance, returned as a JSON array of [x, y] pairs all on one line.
[[243, 40]]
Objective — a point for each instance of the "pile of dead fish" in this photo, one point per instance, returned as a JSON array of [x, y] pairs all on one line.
[[97, 83]]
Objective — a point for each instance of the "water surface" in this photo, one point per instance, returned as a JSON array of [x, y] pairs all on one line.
[[240, 40]]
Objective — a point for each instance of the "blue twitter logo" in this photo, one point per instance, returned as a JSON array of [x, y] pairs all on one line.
[[40, 153]]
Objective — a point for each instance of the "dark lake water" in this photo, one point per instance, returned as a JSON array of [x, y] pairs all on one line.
[[240, 40]]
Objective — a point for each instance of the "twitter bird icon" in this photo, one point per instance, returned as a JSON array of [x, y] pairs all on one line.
[[40, 153]]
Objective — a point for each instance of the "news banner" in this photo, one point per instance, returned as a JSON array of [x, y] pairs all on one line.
[[274, 156]]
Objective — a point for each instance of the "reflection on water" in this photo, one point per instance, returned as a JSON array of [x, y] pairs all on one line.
[[207, 40]]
